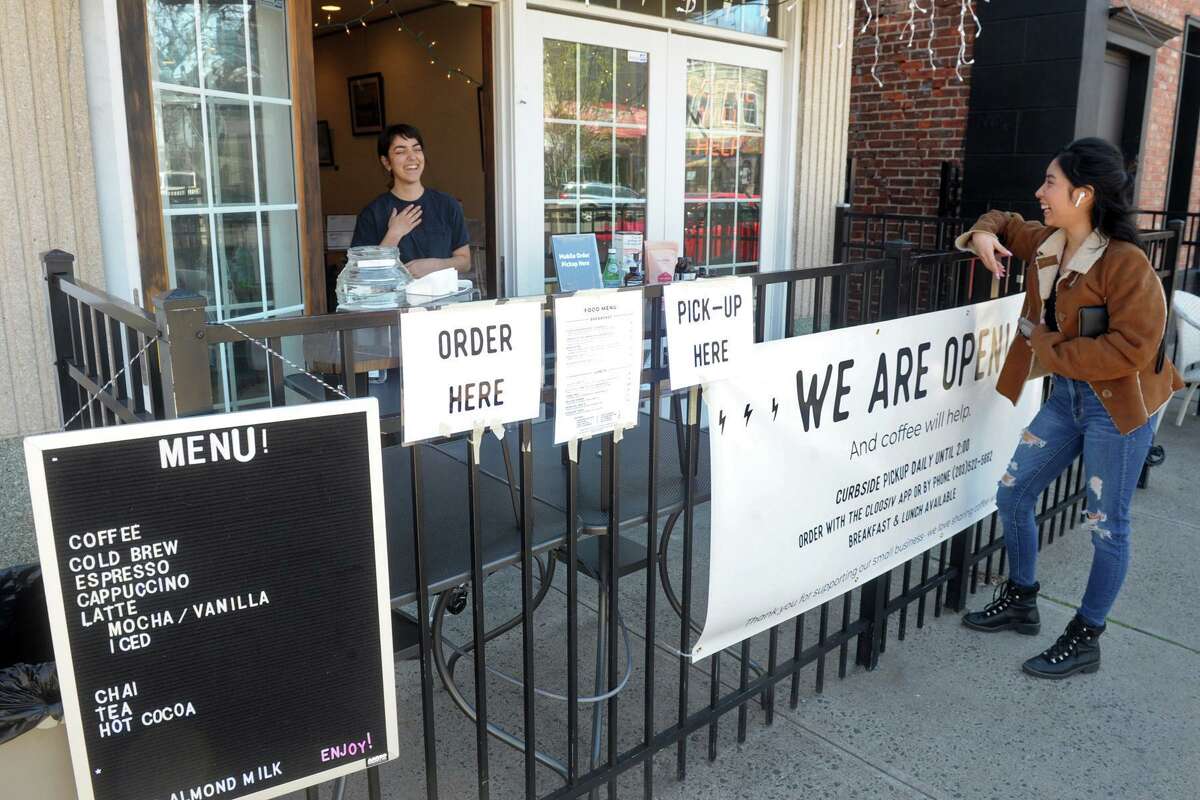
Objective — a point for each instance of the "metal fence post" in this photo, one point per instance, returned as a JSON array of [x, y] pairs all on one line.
[[895, 301], [839, 232], [1172, 258], [184, 354], [59, 265], [959, 581], [873, 611]]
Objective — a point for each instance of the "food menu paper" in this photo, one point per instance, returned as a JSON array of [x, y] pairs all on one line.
[[598, 364]]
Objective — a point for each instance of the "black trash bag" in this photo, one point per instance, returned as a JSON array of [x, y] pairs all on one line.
[[28, 678], [28, 694]]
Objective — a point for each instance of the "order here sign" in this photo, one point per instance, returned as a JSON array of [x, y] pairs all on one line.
[[218, 598], [470, 366]]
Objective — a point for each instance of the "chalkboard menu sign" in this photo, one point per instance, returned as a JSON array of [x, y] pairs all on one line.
[[218, 596]]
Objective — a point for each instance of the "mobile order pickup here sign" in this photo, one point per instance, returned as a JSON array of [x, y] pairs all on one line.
[[218, 598], [839, 455]]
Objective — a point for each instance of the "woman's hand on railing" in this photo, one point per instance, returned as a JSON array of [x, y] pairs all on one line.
[[987, 246]]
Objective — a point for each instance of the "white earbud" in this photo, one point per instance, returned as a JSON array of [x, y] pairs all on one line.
[[1082, 196]]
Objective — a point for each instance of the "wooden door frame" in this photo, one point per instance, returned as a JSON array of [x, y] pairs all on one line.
[[133, 32], [137, 82], [308, 171]]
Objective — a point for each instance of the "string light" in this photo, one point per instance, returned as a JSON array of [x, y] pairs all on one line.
[[962, 40], [875, 63], [417, 36], [932, 14]]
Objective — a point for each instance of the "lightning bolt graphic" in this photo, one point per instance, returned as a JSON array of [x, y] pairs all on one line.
[[722, 420], [774, 409], [747, 414]]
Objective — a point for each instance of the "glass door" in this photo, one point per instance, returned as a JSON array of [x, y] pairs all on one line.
[[589, 137], [627, 129], [724, 129]]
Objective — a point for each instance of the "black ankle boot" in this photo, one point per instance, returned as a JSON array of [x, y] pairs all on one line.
[[1077, 650], [1013, 608]]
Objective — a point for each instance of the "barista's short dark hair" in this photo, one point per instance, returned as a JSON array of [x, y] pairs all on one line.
[[398, 131]]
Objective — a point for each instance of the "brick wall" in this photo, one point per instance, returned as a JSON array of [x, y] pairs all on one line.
[[1156, 142], [901, 133]]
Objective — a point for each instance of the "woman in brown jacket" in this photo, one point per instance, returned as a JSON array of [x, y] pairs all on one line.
[[1108, 387]]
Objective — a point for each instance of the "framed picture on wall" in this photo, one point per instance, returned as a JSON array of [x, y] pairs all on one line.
[[324, 144], [366, 103]]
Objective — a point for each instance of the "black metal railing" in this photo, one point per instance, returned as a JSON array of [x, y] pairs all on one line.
[[863, 235], [462, 516]]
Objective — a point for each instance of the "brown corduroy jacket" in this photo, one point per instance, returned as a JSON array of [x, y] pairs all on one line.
[[1120, 365]]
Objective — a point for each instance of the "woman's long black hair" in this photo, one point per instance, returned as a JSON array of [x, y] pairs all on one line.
[[1094, 162]]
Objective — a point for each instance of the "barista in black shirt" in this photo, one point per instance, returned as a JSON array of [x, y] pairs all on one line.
[[427, 225]]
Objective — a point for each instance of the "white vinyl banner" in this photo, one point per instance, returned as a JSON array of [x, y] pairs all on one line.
[[710, 328], [471, 365], [837, 456]]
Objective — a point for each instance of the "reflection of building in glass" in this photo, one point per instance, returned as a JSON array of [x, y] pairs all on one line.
[[595, 125], [723, 172]]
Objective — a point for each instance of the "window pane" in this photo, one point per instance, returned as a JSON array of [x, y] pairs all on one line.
[[630, 217], [724, 166], [281, 249], [695, 170], [597, 218], [269, 48], [596, 83], [173, 41], [721, 233], [237, 249], [559, 162], [180, 150], [233, 168], [726, 117], [276, 170], [750, 166], [189, 255], [223, 37], [630, 157], [633, 86], [695, 232], [699, 94], [747, 16], [726, 89], [753, 97], [558, 219], [748, 234], [558, 76], [595, 163]]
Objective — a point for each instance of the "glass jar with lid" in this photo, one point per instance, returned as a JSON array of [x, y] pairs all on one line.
[[373, 278]]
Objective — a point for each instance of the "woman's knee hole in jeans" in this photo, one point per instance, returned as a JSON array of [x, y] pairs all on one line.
[[1031, 439], [1094, 518], [1028, 439]]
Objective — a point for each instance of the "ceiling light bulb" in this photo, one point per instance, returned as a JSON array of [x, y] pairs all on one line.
[[331, 8]]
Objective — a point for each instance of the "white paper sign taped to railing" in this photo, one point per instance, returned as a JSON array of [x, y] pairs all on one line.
[[838, 456], [598, 363], [710, 328], [472, 365]]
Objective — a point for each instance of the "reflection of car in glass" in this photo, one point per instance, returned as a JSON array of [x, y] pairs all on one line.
[[594, 191]]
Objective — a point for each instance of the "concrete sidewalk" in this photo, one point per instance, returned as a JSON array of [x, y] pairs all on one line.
[[948, 713]]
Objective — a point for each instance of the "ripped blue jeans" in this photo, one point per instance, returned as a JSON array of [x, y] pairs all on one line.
[[1074, 420]]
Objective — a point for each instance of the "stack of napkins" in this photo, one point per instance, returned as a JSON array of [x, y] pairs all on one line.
[[435, 284]]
